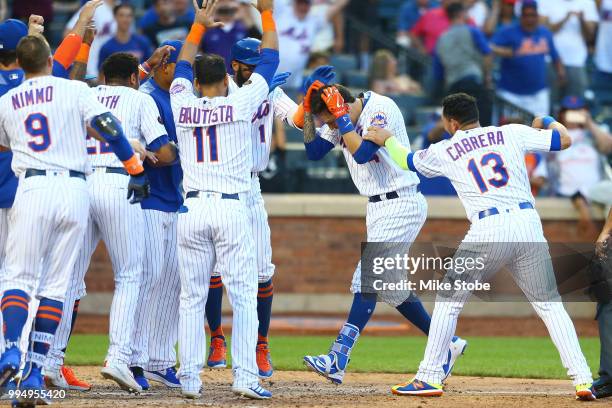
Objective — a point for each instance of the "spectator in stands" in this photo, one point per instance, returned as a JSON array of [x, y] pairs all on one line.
[[106, 27], [502, 13], [297, 26], [331, 36], [580, 165], [182, 9], [384, 78], [409, 14], [463, 60], [524, 47], [125, 40], [478, 11], [573, 23], [168, 26], [603, 47], [23, 9], [537, 171], [430, 26], [220, 40]]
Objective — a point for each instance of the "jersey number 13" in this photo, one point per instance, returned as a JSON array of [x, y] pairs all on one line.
[[496, 163]]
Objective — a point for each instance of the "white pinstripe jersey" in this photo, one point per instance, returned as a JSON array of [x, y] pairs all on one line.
[[485, 165], [282, 107], [139, 119], [214, 135], [380, 175], [44, 119]]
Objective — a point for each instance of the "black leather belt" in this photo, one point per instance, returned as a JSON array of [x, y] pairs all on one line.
[[117, 170], [388, 196], [494, 211], [224, 196], [37, 172]]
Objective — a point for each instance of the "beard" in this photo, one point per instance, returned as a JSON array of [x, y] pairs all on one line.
[[240, 77]]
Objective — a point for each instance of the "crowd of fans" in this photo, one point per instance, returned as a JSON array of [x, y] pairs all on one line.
[[541, 56]]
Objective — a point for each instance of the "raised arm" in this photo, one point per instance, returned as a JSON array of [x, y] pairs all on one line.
[[548, 122], [316, 146]]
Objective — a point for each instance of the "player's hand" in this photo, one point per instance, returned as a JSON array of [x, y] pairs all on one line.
[[314, 87], [279, 79], [90, 33], [377, 135], [160, 56], [324, 74], [89, 9], [334, 102], [36, 25], [138, 188], [263, 5], [205, 15]]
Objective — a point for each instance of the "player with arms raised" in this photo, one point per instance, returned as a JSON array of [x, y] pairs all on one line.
[[47, 137], [487, 168], [215, 135]]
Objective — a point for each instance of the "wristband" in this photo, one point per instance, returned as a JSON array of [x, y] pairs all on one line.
[[83, 54], [344, 124], [547, 121], [195, 34], [133, 166], [267, 21]]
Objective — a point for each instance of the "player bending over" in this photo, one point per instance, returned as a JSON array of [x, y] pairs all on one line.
[[49, 218], [487, 168], [396, 208]]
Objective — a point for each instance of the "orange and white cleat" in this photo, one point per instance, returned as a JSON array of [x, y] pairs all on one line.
[[584, 392], [216, 353], [264, 362], [65, 378]]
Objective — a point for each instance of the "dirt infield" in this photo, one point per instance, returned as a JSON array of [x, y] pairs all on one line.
[[305, 389]]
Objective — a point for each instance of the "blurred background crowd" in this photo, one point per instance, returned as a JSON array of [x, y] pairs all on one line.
[[520, 58]]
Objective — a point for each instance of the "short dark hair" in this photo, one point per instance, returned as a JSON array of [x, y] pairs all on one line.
[[8, 57], [461, 107], [122, 5], [454, 10], [33, 51], [119, 66], [316, 103], [210, 69]]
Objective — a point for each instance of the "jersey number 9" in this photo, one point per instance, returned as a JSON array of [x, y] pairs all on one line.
[[37, 126]]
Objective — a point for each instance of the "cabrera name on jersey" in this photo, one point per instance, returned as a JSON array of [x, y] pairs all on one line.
[[486, 165], [380, 175], [139, 119], [277, 105], [43, 121], [214, 135]]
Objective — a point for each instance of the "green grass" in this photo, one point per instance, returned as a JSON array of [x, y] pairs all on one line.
[[532, 357]]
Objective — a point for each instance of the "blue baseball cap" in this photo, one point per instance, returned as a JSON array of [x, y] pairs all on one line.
[[529, 4], [11, 31], [247, 51], [177, 49], [573, 102]]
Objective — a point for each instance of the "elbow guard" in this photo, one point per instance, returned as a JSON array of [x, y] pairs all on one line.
[[109, 128], [365, 152]]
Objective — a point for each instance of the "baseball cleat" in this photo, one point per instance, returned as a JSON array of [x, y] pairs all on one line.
[[603, 389], [140, 378], [35, 383], [457, 348], [254, 392], [191, 394], [584, 392], [326, 365], [55, 379], [216, 353], [166, 377], [418, 388], [9, 365], [122, 375], [65, 378], [264, 362]]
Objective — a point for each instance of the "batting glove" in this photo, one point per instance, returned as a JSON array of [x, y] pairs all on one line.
[[314, 87], [324, 73], [279, 79], [334, 102], [138, 188]]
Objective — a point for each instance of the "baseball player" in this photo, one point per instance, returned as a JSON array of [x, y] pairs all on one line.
[[155, 330], [48, 221], [215, 137], [245, 55], [391, 191], [487, 168], [113, 219]]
